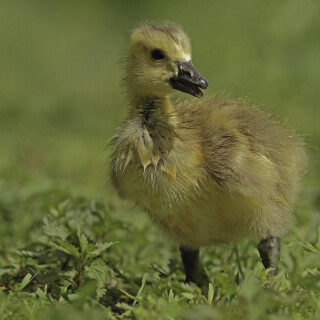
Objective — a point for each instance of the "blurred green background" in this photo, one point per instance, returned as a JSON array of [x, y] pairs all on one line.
[[60, 72]]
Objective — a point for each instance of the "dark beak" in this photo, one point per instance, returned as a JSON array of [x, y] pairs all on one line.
[[189, 80]]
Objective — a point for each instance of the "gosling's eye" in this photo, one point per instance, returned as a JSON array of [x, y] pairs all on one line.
[[157, 54]]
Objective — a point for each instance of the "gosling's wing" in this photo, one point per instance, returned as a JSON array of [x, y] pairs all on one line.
[[246, 151]]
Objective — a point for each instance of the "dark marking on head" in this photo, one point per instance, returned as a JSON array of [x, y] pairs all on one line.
[[167, 32]]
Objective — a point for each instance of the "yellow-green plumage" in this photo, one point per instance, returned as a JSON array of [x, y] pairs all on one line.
[[208, 171]]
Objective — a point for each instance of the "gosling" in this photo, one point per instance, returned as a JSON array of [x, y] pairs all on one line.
[[208, 171]]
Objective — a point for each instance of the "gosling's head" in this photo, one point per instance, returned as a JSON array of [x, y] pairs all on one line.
[[159, 62]]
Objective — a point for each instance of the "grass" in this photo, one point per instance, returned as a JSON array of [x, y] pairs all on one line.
[[69, 248], [84, 258]]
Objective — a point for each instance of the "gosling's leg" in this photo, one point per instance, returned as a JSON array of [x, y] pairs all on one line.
[[190, 259], [269, 250]]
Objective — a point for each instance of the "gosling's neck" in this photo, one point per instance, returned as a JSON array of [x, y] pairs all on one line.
[[152, 109], [155, 117]]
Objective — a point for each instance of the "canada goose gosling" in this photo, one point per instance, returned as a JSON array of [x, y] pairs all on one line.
[[208, 171]]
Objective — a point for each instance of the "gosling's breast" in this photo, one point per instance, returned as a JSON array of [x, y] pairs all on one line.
[[157, 168]]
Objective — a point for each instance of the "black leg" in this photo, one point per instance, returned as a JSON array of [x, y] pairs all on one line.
[[190, 259], [269, 250]]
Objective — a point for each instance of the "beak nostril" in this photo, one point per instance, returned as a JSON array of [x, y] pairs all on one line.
[[189, 73]]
